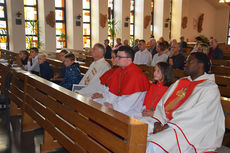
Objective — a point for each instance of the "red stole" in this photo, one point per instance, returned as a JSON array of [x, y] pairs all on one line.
[[181, 93], [128, 81], [154, 95]]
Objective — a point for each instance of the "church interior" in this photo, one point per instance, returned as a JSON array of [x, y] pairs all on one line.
[[114, 76]]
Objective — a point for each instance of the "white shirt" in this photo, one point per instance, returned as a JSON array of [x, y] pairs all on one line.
[[157, 59], [35, 65], [143, 57], [92, 77], [200, 120], [126, 104]]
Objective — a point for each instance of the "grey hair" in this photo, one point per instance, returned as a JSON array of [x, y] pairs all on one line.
[[100, 47]]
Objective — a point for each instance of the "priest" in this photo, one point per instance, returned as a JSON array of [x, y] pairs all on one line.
[[125, 89], [91, 81], [189, 118]]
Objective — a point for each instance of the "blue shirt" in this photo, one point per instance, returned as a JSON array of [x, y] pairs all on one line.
[[72, 76]]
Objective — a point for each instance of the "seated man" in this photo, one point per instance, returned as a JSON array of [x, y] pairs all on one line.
[[97, 68], [153, 46], [32, 64], [125, 89], [143, 56], [215, 52], [176, 59], [108, 49], [189, 117], [135, 46]]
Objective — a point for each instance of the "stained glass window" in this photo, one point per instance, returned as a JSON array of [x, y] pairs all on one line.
[[4, 41], [60, 15], [86, 23], [31, 23], [152, 18], [111, 22], [132, 21]]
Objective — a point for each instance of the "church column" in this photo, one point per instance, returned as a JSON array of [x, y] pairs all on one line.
[[74, 24], [176, 19], [47, 33], [122, 11], [99, 13], [162, 19], [142, 13], [16, 25]]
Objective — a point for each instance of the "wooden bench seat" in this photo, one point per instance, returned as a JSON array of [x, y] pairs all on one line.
[[79, 124]]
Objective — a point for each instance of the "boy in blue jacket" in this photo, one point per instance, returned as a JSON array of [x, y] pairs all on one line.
[[72, 73], [46, 71]]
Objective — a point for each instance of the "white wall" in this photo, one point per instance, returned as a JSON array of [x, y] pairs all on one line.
[[215, 19]]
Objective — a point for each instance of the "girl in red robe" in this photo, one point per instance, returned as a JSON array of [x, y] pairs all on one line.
[[163, 77]]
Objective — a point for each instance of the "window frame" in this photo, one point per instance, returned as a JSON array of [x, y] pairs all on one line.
[[109, 18], [134, 9], [63, 22], [6, 20], [37, 20], [90, 21], [228, 35], [152, 15]]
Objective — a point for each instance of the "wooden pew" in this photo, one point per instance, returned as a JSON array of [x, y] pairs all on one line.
[[220, 62], [16, 92], [78, 124], [148, 70], [226, 107], [220, 70]]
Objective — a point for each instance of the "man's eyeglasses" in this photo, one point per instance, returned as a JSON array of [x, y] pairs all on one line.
[[121, 57]]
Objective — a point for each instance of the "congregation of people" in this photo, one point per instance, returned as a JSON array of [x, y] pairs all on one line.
[[185, 116]]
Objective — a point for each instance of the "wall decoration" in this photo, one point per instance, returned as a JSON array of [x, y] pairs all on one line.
[[200, 23], [103, 20], [147, 21], [184, 22], [50, 19], [194, 24]]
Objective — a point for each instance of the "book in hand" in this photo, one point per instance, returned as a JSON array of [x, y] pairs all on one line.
[[77, 87]]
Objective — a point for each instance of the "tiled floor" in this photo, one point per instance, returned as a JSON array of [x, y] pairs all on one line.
[[12, 140]]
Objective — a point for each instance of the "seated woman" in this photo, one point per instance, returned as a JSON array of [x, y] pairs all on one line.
[[107, 75], [163, 77], [46, 71], [160, 56], [60, 76], [23, 56], [72, 73]]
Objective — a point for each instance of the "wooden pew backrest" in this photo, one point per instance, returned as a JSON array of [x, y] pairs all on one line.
[[79, 124]]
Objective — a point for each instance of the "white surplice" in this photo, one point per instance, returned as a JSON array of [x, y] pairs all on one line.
[[143, 57], [92, 77], [126, 104], [198, 124]]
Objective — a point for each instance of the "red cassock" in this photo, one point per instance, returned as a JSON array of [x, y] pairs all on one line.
[[153, 96], [125, 81]]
